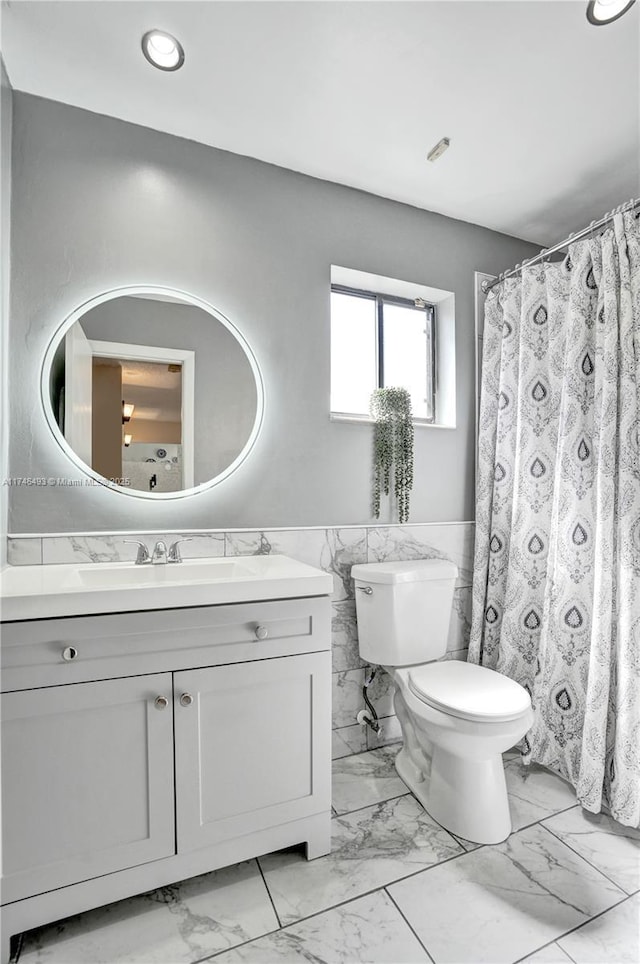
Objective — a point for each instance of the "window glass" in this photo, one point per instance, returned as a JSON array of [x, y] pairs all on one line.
[[406, 354], [380, 341], [353, 352]]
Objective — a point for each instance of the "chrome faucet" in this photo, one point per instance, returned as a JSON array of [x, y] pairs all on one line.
[[159, 555], [174, 551], [143, 556]]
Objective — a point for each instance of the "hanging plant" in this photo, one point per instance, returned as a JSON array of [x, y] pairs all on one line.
[[392, 447]]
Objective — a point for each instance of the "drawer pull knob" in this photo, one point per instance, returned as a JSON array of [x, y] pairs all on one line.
[[261, 632], [161, 702], [69, 653], [186, 699]]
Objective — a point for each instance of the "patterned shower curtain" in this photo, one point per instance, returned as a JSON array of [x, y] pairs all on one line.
[[556, 596]]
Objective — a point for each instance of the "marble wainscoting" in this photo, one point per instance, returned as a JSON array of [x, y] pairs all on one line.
[[335, 550]]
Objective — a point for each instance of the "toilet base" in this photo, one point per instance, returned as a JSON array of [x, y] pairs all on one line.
[[467, 797]]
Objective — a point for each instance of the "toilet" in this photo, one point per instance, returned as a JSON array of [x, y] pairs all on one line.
[[456, 718]]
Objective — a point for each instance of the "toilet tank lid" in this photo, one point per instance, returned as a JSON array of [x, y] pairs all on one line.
[[416, 570]]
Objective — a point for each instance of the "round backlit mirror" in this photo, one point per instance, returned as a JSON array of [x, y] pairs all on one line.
[[152, 391]]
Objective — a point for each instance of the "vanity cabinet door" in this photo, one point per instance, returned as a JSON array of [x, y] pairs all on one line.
[[252, 747], [87, 781]]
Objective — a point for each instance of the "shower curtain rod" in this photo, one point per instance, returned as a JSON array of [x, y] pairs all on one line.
[[594, 226]]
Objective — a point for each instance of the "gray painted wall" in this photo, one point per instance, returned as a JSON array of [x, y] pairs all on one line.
[[5, 241], [225, 389], [100, 203]]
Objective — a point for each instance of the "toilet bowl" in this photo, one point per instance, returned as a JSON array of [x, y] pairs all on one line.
[[456, 718], [456, 723]]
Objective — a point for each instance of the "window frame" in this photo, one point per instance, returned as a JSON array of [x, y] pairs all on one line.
[[429, 309]]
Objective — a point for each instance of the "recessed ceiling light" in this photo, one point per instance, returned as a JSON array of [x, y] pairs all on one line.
[[600, 12], [162, 50]]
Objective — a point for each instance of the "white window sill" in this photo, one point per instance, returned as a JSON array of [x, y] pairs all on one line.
[[367, 420]]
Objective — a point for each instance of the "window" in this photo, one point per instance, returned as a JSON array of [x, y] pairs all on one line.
[[377, 341]]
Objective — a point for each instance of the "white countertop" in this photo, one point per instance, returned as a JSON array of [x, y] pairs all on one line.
[[40, 592]]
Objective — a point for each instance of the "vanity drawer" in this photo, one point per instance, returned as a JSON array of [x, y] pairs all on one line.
[[52, 652]]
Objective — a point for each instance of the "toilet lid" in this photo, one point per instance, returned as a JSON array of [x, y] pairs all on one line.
[[469, 691]]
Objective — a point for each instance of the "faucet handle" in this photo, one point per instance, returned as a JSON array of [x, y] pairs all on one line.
[[174, 551], [143, 552]]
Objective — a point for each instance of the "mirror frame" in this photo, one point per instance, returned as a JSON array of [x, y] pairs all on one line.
[[123, 292]]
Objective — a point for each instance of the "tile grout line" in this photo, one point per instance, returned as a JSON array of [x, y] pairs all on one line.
[[578, 854], [534, 823], [542, 948], [250, 940], [578, 927], [373, 890], [407, 922], [264, 881], [455, 839], [299, 920], [372, 750], [397, 796], [235, 947], [568, 955]]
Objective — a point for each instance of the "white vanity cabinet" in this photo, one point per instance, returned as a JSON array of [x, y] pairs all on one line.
[[245, 754], [87, 781], [142, 748]]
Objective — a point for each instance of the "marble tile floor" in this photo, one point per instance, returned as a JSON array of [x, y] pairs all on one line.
[[397, 887]]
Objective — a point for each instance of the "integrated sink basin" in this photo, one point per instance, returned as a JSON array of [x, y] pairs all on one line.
[[209, 570], [39, 592]]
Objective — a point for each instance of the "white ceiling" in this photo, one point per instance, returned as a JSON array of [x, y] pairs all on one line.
[[154, 390], [542, 108]]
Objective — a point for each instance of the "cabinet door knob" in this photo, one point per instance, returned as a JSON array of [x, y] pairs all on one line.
[[69, 653], [261, 632], [161, 702], [186, 699]]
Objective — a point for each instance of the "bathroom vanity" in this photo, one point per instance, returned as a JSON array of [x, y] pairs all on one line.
[[158, 723]]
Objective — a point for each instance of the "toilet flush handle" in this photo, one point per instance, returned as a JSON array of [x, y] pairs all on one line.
[[367, 590]]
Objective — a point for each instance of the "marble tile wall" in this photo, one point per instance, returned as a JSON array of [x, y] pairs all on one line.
[[333, 549]]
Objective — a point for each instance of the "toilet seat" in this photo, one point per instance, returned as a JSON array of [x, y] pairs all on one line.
[[468, 691]]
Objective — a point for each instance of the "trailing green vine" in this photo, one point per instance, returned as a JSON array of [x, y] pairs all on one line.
[[392, 447]]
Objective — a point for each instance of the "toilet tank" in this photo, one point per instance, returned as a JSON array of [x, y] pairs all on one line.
[[403, 610]]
